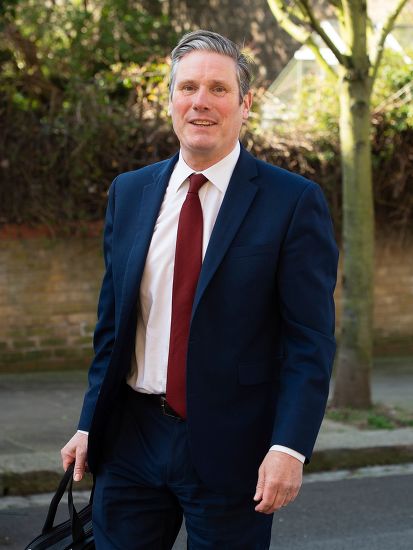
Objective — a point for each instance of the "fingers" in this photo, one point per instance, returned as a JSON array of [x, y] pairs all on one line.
[[279, 482], [276, 495], [79, 464], [68, 456], [260, 486], [265, 506], [270, 494], [75, 451]]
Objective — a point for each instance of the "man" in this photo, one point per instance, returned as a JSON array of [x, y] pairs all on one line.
[[218, 293]]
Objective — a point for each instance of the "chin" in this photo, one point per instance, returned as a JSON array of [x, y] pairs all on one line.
[[201, 144]]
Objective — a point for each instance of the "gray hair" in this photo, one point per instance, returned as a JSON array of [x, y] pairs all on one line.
[[213, 42]]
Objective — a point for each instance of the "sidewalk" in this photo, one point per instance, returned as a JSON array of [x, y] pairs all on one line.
[[39, 413]]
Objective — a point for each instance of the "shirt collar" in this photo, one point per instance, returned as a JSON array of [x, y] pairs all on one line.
[[218, 174]]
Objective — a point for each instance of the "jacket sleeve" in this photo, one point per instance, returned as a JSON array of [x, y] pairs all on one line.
[[104, 335], [306, 281]]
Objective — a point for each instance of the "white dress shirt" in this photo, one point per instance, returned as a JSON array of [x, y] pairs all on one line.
[[150, 360], [154, 309]]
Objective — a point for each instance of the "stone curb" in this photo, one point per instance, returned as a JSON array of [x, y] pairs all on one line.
[[13, 483], [34, 482], [338, 459]]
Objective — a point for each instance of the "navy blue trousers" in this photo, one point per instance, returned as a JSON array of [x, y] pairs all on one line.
[[146, 484]]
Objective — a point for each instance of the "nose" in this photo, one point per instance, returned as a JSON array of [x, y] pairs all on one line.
[[200, 99]]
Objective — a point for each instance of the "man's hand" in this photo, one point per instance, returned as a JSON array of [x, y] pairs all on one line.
[[75, 450], [279, 480]]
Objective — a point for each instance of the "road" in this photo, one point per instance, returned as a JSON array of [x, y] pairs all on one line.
[[373, 512]]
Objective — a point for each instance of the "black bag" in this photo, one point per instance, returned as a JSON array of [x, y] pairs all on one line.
[[75, 533]]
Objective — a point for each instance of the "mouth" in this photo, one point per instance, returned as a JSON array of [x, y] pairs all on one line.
[[202, 122]]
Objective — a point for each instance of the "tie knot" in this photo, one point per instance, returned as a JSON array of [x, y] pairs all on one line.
[[196, 181]]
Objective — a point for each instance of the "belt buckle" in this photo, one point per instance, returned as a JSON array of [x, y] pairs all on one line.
[[166, 408]]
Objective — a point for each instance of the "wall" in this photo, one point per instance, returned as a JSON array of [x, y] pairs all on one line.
[[393, 299], [48, 295], [49, 290]]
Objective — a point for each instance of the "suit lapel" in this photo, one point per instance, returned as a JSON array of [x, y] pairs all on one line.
[[238, 198], [150, 204]]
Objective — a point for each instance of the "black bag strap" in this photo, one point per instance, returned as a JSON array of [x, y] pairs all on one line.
[[77, 528], [78, 533], [92, 492], [51, 514]]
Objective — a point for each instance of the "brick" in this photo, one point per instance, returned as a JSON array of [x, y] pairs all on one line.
[[72, 352], [53, 342], [10, 358], [25, 344], [38, 330], [77, 318], [38, 354], [84, 341]]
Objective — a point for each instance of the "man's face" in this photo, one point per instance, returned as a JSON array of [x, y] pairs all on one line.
[[205, 108]]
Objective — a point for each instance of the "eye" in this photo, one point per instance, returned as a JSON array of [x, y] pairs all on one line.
[[188, 88], [219, 90]]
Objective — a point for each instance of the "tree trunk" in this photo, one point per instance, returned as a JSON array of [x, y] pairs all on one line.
[[353, 365], [356, 74]]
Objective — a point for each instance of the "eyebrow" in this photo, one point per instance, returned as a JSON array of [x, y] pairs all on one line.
[[187, 81], [213, 82]]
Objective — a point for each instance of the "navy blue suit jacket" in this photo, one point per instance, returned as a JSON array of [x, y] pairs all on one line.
[[261, 342]]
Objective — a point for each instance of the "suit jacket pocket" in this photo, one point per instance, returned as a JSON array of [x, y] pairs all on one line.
[[258, 372]]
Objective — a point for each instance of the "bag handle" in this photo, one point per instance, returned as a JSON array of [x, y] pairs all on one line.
[[51, 514], [77, 528], [78, 533]]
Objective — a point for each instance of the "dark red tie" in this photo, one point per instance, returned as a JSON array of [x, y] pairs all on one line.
[[188, 261]]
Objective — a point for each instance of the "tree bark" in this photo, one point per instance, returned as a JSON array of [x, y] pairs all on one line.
[[354, 360]]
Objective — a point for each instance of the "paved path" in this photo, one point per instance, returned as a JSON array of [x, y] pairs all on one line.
[[372, 509]]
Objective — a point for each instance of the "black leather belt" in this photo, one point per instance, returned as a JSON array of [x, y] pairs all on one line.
[[166, 408], [160, 401]]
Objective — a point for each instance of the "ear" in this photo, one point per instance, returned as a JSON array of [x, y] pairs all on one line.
[[246, 104]]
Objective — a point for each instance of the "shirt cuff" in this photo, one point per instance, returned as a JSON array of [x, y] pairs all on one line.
[[83, 432], [288, 451]]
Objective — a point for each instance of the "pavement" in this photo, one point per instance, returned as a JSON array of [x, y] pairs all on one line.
[[39, 413], [371, 508]]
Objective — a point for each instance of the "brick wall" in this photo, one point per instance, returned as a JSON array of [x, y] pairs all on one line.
[[393, 299], [49, 290], [48, 295]]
